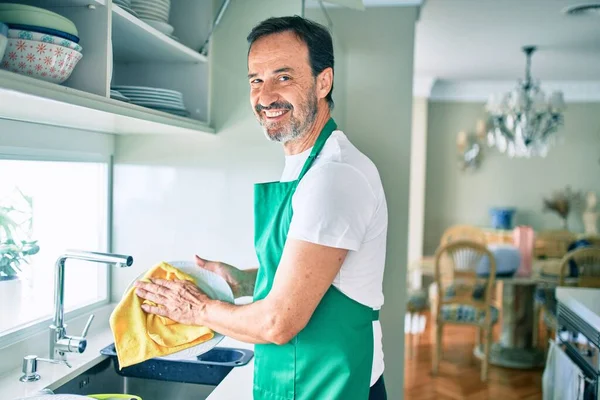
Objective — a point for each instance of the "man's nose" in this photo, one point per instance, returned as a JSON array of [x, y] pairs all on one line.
[[267, 95]]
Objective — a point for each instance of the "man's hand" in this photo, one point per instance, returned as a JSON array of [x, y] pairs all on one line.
[[179, 300], [240, 281]]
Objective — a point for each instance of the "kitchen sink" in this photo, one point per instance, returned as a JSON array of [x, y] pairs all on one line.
[[158, 379]]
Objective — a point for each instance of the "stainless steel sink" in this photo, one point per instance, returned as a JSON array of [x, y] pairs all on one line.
[[103, 378], [158, 379]]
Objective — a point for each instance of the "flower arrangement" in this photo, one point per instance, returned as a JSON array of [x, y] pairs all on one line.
[[562, 202]]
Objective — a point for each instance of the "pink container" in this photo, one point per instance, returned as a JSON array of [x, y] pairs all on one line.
[[524, 240]]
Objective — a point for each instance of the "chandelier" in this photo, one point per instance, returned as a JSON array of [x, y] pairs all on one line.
[[524, 121]]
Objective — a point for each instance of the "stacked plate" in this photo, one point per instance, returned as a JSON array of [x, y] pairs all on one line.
[[115, 94], [170, 101], [126, 5], [155, 13]]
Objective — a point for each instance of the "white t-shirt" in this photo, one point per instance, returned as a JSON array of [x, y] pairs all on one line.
[[340, 203]]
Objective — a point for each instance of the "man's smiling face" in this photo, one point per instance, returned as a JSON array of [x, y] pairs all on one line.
[[283, 89]]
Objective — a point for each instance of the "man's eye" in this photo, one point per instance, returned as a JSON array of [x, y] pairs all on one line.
[[255, 81], [284, 78]]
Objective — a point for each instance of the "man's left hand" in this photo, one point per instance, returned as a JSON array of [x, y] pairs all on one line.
[[179, 300]]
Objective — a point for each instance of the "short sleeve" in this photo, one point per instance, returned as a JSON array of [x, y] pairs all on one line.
[[333, 206]]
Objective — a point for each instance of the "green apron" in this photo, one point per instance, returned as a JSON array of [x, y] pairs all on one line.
[[332, 357]]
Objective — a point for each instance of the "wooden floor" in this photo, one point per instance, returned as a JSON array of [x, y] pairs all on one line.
[[458, 376]]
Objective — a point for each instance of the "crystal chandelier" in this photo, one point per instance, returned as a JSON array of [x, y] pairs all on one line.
[[524, 121]]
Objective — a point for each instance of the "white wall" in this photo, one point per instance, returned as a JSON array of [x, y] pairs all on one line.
[[176, 196], [455, 197], [378, 70], [418, 164], [180, 195]]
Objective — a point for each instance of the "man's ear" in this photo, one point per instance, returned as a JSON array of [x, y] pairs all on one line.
[[324, 83]]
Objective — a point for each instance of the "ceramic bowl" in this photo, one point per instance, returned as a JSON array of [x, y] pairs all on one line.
[[43, 37], [47, 31], [11, 13], [46, 61], [3, 38]]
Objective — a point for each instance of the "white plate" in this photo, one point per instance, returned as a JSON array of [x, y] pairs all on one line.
[[152, 95], [156, 8], [120, 98], [215, 287], [172, 93], [162, 104], [154, 98], [56, 397], [160, 26], [152, 13], [153, 104], [146, 89], [152, 4], [129, 10]]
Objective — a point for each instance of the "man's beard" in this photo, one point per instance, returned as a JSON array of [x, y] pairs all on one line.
[[292, 129]]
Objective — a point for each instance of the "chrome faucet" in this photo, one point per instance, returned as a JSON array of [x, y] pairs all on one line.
[[60, 342]]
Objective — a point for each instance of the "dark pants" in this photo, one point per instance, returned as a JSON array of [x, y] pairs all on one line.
[[378, 390]]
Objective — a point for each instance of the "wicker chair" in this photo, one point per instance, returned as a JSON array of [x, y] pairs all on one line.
[[463, 297], [453, 234], [594, 240], [463, 232], [585, 263], [553, 243], [550, 244]]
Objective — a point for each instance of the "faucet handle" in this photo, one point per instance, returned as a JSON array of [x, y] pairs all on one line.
[[87, 326]]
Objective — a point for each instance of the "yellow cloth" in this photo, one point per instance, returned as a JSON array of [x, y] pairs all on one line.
[[140, 336]]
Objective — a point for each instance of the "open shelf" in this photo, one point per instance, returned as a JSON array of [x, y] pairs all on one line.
[[135, 41], [24, 98]]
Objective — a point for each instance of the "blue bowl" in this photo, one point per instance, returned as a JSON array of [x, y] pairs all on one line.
[[48, 31], [507, 257], [502, 218]]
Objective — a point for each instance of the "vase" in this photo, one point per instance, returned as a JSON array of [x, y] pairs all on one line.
[[11, 289], [502, 218]]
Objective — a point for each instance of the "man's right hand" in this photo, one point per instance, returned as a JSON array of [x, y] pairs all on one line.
[[241, 281]]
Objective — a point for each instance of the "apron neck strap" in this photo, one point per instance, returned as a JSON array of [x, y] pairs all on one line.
[[328, 129]]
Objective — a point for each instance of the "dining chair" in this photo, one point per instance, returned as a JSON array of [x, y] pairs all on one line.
[[553, 243], [463, 232], [549, 245], [579, 268], [453, 234], [464, 298], [593, 240]]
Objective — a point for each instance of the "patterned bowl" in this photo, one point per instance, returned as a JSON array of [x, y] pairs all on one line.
[[43, 37], [3, 38], [46, 61]]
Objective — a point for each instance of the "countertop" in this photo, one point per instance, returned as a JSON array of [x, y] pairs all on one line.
[[236, 385], [583, 301]]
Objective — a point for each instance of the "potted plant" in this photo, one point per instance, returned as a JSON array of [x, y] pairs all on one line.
[[12, 255], [16, 247], [15, 228]]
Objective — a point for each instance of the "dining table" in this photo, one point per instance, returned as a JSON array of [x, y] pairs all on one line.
[[515, 301]]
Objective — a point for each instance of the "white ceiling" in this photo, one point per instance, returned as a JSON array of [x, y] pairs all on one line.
[[482, 40]]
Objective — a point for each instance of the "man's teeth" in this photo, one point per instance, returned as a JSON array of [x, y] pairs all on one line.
[[273, 114]]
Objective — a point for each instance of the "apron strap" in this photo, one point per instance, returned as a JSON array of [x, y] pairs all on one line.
[[375, 315], [328, 129]]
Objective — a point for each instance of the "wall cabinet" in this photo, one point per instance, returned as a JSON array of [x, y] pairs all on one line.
[[119, 49]]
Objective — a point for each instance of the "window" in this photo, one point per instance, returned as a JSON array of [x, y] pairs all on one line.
[[47, 207]]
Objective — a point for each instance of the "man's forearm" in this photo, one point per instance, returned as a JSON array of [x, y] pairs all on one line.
[[251, 323]]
